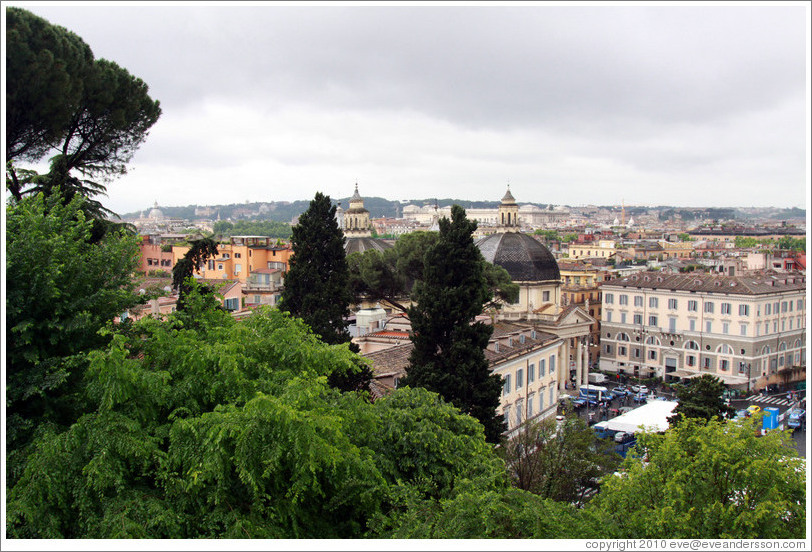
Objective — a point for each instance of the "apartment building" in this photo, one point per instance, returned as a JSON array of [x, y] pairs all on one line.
[[603, 249], [527, 359], [242, 256], [747, 330]]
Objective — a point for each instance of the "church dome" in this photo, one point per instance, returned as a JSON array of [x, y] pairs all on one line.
[[156, 213], [524, 258]]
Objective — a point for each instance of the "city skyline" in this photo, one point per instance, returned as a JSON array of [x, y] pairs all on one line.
[[658, 104]]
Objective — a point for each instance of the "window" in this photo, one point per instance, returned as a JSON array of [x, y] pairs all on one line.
[[725, 328], [541, 368], [519, 409], [767, 309], [608, 349], [783, 306], [621, 350], [519, 378], [653, 302], [638, 301], [638, 319], [692, 306], [530, 398], [232, 304], [609, 298], [692, 325], [552, 364], [541, 399], [652, 355], [725, 308], [799, 304], [552, 394], [211, 265], [692, 345], [623, 317], [545, 296], [709, 326], [672, 304], [709, 307], [237, 268], [706, 362], [531, 374], [672, 325], [624, 299], [608, 316], [724, 364], [691, 360], [652, 320], [237, 255], [744, 310], [743, 329], [636, 352], [226, 256], [775, 307], [507, 416], [766, 328], [219, 266], [506, 388]]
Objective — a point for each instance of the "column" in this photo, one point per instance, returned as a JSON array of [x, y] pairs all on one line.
[[563, 367], [586, 358], [579, 375]]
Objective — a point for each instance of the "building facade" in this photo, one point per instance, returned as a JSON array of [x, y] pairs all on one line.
[[746, 330]]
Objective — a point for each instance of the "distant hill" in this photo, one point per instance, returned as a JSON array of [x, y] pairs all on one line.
[[286, 211]]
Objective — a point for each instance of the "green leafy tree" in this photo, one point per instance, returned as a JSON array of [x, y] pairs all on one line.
[[270, 228], [477, 513], [391, 275], [229, 430], [701, 399], [61, 289], [562, 461], [93, 114], [317, 283], [448, 355], [46, 66], [707, 480], [182, 273]]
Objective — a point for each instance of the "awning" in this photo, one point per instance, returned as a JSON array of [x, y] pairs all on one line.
[[731, 380], [683, 374]]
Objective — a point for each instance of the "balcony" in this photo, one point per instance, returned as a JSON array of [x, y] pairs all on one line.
[[256, 286]]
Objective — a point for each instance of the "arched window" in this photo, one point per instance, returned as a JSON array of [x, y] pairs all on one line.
[[797, 344], [692, 345], [783, 346], [623, 337], [724, 349], [766, 350], [652, 340]]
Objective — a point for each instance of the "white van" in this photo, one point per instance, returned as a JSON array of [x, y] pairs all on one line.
[[596, 378]]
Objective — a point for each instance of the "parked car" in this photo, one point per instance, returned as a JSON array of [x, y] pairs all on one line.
[[640, 398], [578, 403], [753, 409], [623, 437], [643, 389], [620, 390], [635, 388]]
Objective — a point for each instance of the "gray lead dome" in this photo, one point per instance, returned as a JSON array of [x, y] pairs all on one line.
[[524, 258]]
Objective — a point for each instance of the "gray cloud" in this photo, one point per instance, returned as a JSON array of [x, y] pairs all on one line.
[[663, 95]]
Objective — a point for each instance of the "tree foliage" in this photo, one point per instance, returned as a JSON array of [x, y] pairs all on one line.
[[229, 430], [199, 252], [92, 114], [707, 480], [562, 461], [61, 289], [317, 282], [701, 399], [270, 228], [392, 274], [448, 355]]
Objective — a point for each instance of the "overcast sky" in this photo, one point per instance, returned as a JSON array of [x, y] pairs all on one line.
[[703, 105]]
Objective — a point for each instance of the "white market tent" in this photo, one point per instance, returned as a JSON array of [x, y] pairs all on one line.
[[652, 416]]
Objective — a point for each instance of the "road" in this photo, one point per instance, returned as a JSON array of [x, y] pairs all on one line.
[[778, 400]]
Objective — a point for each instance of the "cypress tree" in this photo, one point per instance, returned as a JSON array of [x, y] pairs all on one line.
[[317, 286], [448, 355]]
